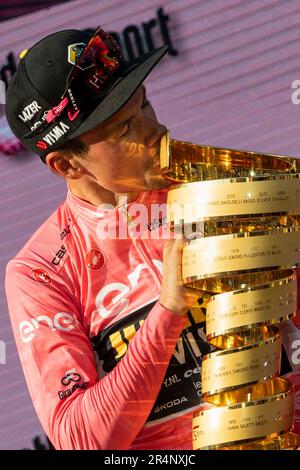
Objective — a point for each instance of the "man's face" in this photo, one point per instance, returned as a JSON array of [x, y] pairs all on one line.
[[123, 153]]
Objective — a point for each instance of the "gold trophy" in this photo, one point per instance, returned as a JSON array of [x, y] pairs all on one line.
[[242, 213]]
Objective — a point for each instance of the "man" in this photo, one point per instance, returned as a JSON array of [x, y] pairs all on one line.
[[95, 321]]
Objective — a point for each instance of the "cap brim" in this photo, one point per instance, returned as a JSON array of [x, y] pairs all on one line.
[[121, 92]]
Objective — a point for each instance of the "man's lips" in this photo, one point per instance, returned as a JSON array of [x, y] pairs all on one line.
[[157, 171]]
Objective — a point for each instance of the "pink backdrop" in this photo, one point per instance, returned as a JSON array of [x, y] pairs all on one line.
[[229, 85], [13, 8]]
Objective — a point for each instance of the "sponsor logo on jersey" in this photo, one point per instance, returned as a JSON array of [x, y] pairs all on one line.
[[59, 255], [170, 404], [62, 250], [41, 275], [94, 260], [62, 321], [156, 223], [71, 376], [66, 231], [112, 298]]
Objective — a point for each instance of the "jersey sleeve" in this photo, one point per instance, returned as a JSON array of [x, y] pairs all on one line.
[[76, 409]]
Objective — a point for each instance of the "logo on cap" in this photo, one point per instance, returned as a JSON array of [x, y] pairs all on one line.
[[74, 51], [41, 145], [41, 275], [94, 260]]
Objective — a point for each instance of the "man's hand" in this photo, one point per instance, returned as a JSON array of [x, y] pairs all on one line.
[[174, 296]]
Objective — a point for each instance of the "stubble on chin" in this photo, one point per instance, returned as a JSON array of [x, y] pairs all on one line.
[[156, 181]]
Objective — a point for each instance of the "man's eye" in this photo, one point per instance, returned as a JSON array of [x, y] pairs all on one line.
[[125, 129]]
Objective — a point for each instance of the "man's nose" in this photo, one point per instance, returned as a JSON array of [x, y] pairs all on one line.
[[155, 134]]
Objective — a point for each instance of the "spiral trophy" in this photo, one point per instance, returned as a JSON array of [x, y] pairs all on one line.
[[242, 211]]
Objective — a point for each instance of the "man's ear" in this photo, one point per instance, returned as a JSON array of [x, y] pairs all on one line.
[[64, 165]]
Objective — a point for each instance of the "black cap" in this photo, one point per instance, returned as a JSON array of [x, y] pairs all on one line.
[[40, 81]]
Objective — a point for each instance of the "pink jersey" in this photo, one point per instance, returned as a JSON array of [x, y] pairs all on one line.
[[106, 365], [85, 308]]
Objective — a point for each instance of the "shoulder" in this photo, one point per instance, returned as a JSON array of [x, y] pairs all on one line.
[[46, 250]]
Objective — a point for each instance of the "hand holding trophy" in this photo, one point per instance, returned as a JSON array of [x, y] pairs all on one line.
[[242, 212]]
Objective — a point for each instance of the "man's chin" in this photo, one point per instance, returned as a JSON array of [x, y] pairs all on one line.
[[156, 181]]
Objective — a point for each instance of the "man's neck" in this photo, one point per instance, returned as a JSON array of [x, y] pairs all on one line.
[[96, 195]]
